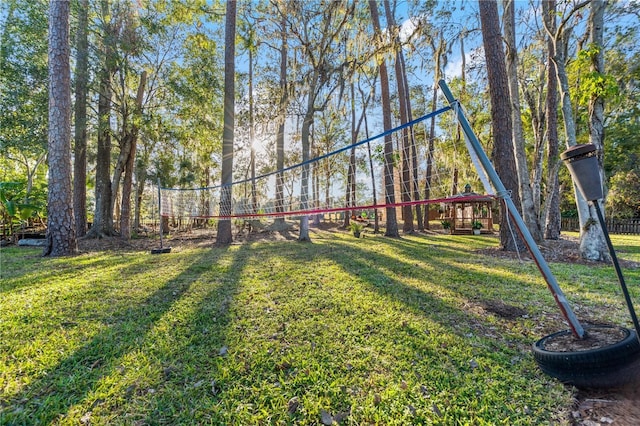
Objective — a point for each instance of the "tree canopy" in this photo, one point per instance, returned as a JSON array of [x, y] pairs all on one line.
[[175, 119]]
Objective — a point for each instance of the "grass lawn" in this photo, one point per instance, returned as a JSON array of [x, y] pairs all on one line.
[[417, 330]]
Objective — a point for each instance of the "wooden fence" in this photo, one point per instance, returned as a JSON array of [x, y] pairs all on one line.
[[615, 226]]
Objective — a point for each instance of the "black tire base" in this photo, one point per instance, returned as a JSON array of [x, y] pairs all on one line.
[[604, 367], [161, 250]]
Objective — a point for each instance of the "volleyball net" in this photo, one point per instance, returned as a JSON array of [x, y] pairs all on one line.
[[426, 170]]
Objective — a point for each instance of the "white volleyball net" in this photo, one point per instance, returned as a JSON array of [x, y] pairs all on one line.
[[349, 179]]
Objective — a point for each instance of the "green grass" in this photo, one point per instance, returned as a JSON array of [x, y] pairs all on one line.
[[370, 331]]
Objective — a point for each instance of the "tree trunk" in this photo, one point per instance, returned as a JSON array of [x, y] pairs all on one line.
[[125, 142], [327, 188], [224, 236], [590, 232], [351, 172], [315, 181], [522, 169], [390, 198], [437, 52], [430, 152], [281, 124], [414, 152], [80, 146], [596, 240], [127, 181], [61, 236], [535, 100], [252, 136], [553, 221], [132, 135], [304, 183], [141, 177], [403, 99], [103, 214], [118, 170], [355, 132], [501, 125], [376, 220]]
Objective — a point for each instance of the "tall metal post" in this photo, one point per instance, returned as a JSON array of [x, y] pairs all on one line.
[[160, 212], [616, 265], [582, 162], [502, 192]]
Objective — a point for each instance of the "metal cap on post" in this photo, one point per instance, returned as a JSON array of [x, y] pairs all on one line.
[[582, 163]]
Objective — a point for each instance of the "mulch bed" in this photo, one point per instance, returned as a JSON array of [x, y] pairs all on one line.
[[596, 338]]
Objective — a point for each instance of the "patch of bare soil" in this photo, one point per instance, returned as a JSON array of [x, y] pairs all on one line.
[[501, 309], [616, 406], [592, 407]]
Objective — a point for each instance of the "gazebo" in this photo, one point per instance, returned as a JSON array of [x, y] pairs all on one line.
[[462, 210]]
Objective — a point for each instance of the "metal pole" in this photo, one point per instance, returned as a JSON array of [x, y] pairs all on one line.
[[502, 192], [160, 212], [616, 265]]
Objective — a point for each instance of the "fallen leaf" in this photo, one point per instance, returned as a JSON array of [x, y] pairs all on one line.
[[340, 417], [168, 372], [293, 405], [436, 410], [326, 418], [284, 365], [424, 390]]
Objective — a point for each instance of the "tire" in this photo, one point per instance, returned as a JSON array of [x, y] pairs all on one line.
[[602, 367], [161, 250]]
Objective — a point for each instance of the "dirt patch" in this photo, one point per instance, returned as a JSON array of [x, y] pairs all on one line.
[[616, 406], [503, 310]]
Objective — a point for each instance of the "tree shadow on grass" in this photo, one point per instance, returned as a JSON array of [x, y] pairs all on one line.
[[446, 280], [39, 270], [50, 396], [187, 380], [504, 282]]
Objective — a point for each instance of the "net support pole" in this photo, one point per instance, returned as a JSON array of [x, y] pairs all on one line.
[[555, 289], [616, 265], [160, 212]]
